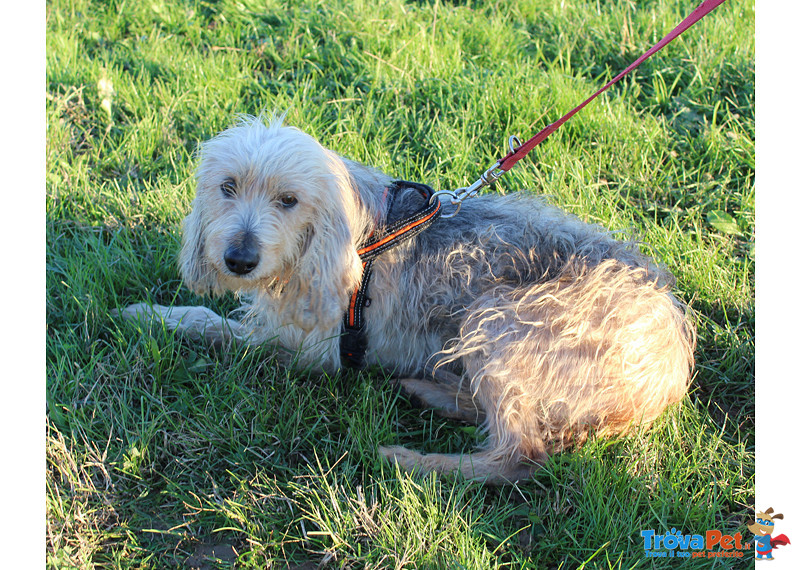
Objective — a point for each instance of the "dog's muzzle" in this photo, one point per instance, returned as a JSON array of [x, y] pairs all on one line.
[[242, 258]]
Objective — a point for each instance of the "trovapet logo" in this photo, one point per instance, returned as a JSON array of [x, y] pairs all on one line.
[[762, 528], [711, 544], [716, 544]]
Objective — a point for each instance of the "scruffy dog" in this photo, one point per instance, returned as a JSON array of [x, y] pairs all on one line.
[[512, 313]]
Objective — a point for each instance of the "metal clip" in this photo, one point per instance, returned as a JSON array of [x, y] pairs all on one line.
[[454, 199], [461, 194]]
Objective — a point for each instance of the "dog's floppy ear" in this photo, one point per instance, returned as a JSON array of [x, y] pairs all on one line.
[[329, 269], [195, 269]]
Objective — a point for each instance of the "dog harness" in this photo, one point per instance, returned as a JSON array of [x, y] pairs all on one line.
[[353, 342]]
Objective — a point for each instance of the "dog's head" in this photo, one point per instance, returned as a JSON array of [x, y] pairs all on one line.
[[274, 213], [764, 523]]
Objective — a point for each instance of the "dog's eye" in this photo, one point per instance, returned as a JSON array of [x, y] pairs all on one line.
[[288, 200], [228, 188]]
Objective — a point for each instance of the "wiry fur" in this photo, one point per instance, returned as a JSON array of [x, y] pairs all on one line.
[[512, 313]]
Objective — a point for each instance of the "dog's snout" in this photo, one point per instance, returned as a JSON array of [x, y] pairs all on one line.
[[241, 259]]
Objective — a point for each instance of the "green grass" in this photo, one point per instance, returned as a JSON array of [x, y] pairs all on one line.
[[161, 453]]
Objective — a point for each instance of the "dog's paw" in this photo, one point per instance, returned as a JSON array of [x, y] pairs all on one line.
[[142, 312], [402, 456]]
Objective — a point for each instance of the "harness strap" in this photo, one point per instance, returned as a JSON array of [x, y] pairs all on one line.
[[353, 342]]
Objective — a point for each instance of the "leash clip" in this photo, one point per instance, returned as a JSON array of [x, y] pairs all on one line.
[[458, 196], [487, 179]]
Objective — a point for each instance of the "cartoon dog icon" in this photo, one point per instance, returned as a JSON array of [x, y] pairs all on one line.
[[762, 527]]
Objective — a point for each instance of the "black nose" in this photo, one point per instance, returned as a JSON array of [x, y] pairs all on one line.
[[241, 259]]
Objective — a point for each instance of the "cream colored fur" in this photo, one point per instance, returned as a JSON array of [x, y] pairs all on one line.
[[513, 313]]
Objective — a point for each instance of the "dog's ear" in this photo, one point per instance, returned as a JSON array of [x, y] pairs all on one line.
[[195, 270], [329, 269]]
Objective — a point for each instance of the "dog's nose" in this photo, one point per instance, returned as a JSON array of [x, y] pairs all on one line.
[[241, 259]]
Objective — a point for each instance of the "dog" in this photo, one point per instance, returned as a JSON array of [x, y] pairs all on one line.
[[512, 314]]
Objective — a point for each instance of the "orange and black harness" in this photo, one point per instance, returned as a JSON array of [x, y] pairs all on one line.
[[353, 342]]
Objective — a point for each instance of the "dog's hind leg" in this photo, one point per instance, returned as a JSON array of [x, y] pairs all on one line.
[[488, 466], [197, 323], [513, 449], [447, 400], [597, 351]]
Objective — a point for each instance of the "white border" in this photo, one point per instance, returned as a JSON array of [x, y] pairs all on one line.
[[777, 306]]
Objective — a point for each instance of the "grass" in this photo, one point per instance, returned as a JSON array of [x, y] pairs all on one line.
[[162, 454]]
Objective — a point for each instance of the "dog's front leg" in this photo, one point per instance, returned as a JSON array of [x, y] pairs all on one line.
[[197, 323], [204, 325]]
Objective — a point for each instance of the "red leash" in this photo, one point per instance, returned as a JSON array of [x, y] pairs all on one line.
[[518, 152]]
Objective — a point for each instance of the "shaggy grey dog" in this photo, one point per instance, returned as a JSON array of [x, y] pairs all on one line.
[[512, 313]]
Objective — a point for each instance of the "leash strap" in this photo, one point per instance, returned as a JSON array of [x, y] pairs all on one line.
[[518, 151], [353, 341], [508, 161]]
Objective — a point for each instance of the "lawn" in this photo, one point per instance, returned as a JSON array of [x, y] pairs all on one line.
[[162, 453]]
